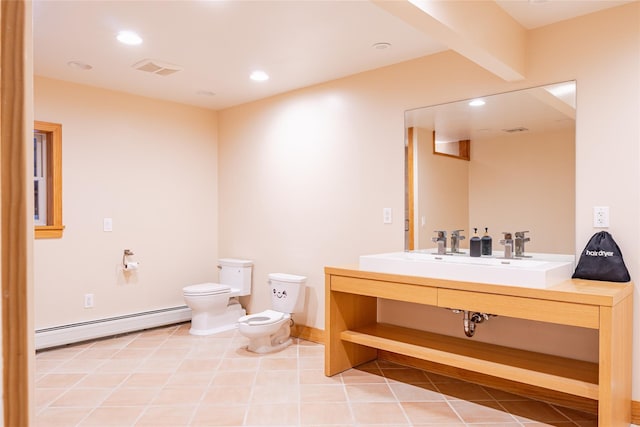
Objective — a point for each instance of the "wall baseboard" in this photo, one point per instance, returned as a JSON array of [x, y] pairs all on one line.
[[84, 331], [308, 333]]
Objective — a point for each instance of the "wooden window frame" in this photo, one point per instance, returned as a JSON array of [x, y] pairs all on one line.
[[54, 227], [464, 149]]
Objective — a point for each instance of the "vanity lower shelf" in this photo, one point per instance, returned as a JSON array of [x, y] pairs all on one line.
[[556, 373]]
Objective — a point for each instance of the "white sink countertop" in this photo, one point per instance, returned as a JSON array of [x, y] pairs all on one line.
[[535, 271]]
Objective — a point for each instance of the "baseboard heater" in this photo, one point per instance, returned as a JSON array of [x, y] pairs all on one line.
[[83, 331]]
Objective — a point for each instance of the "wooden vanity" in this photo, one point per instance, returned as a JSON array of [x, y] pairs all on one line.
[[353, 335]]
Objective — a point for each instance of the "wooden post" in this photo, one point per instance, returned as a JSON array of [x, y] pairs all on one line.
[[15, 237]]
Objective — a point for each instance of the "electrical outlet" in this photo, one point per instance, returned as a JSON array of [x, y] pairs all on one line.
[[601, 216], [387, 217], [88, 300]]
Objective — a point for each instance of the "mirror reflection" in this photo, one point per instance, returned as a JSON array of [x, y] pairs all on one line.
[[504, 162]]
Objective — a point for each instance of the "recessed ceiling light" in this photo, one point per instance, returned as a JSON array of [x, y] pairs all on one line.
[[477, 103], [129, 37], [381, 46], [259, 76], [79, 65]]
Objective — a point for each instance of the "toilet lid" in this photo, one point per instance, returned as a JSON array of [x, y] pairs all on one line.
[[263, 318], [204, 289]]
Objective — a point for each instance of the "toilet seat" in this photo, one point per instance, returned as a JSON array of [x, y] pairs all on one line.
[[206, 289], [266, 317]]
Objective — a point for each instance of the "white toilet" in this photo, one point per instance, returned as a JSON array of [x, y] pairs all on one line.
[[214, 306], [270, 330]]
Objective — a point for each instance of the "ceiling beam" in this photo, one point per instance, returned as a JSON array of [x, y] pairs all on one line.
[[477, 29], [555, 102]]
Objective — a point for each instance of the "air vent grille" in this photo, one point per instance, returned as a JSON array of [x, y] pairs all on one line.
[[156, 67], [515, 130]]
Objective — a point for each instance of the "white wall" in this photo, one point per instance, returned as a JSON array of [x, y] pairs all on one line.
[[304, 176], [149, 165]]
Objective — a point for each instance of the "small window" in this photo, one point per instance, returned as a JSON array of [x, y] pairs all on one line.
[[47, 180], [40, 178]]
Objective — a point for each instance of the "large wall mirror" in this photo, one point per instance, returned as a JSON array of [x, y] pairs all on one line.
[[518, 174]]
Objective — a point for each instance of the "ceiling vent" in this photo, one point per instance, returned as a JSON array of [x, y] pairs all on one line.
[[515, 130], [156, 67]]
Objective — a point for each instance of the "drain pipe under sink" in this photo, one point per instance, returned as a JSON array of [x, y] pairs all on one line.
[[470, 319]]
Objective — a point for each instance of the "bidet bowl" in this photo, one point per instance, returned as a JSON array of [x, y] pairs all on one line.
[[254, 331]]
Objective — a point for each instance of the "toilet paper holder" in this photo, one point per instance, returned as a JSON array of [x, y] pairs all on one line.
[[125, 264]]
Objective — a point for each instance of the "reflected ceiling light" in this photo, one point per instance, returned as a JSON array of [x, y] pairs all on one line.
[[77, 65], [477, 103], [259, 76], [129, 37]]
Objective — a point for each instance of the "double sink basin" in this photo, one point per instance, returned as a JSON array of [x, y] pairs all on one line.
[[536, 271]]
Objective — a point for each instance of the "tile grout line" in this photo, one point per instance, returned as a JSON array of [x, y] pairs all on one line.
[[150, 356], [406, 416], [448, 401], [564, 415], [252, 391], [348, 400], [296, 342], [71, 387], [137, 370], [209, 384], [89, 413], [501, 405]]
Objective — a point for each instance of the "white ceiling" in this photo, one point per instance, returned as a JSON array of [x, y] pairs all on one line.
[[218, 43]]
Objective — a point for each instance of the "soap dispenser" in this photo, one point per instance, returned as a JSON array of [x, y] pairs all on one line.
[[486, 242], [475, 244]]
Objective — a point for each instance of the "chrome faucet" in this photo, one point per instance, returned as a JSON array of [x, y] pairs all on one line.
[[508, 245], [519, 243], [455, 241], [441, 241]]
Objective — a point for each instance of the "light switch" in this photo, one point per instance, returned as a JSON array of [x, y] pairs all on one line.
[[107, 224], [387, 216]]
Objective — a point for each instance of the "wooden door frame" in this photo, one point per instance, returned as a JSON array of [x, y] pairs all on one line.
[[16, 227], [409, 187]]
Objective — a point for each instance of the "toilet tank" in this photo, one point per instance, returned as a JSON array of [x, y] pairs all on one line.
[[287, 292], [236, 273]]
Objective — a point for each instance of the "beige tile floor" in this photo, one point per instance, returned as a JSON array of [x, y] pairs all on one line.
[[166, 377]]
